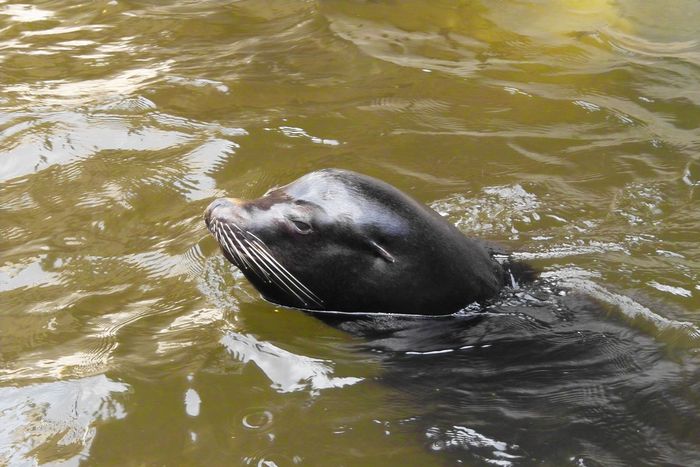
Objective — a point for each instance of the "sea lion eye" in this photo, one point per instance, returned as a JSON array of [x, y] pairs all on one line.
[[301, 226]]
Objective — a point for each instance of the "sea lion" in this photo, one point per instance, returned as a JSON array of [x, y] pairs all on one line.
[[336, 240]]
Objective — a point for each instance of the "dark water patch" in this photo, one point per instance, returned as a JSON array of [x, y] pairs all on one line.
[[521, 384]]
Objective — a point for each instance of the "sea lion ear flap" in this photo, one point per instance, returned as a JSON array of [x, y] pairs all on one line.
[[382, 252]]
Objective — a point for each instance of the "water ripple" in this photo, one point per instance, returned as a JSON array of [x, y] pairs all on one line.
[[56, 422], [287, 372], [564, 129]]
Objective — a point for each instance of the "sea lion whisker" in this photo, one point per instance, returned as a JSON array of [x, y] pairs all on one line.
[[265, 260], [243, 253], [281, 281], [265, 250], [263, 266], [240, 249], [260, 265], [284, 279], [227, 245], [258, 260], [240, 254], [296, 282], [221, 241], [230, 247]]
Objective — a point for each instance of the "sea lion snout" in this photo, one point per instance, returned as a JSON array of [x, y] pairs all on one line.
[[222, 209]]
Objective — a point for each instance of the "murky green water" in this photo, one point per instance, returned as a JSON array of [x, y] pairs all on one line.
[[567, 130]]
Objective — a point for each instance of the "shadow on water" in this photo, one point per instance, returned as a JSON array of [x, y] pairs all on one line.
[[544, 374]]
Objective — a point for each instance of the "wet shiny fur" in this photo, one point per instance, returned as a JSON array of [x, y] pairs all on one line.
[[341, 241]]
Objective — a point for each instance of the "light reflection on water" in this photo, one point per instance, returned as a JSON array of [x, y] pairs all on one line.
[[565, 130]]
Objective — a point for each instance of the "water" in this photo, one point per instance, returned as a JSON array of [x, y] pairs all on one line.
[[566, 130]]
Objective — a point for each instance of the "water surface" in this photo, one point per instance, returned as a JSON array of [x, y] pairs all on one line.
[[566, 130]]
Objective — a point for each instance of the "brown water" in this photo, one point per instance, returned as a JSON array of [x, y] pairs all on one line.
[[567, 130]]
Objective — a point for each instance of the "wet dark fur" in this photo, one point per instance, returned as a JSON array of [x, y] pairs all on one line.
[[341, 241]]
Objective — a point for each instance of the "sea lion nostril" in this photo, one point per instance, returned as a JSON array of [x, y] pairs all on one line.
[[210, 209]]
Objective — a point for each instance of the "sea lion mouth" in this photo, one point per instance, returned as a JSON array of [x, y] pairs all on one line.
[[252, 256]]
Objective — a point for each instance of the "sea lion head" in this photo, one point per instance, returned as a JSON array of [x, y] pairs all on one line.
[[342, 241]]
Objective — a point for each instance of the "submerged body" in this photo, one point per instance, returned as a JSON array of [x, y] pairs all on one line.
[[340, 241]]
